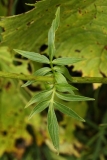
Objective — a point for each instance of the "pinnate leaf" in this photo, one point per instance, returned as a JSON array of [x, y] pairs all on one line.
[[66, 60], [64, 71], [57, 19], [67, 111], [70, 97], [33, 56], [39, 108], [53, 127], [64, 87], [60, 78], [51, 34], [40, 72], [39, 97]]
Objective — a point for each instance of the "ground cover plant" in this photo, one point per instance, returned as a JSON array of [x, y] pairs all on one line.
[[52, 80]]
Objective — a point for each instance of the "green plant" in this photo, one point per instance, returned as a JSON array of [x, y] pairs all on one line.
[[55, 91]]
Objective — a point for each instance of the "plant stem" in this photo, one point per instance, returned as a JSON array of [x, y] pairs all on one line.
[[51, 79], [26, 77]]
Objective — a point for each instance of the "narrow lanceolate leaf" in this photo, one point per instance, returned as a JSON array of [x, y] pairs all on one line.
[[56, 21], [39, 97], [39, 72], [67, 111], [64, 87], [51, 34], [39, 108], [53, 127], [66, 60], [64, 71], [51, 46], [70, 97], [60, 78], [33, 56]]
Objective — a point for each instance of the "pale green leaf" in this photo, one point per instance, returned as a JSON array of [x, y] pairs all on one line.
[[66, 60], [70, 97], [64, 71], [64, 87], [57, 19], [33, 56], [51, 34], [51, 46], [53, 127], [39, 97], [39, 108], [67, 111], [60, 78], [40, 72]]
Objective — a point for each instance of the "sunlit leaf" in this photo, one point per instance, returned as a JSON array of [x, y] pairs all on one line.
[[66, 60], [67, 111], [39, 97], [39, 108], [33, 56], [53, 127], [70, 97]]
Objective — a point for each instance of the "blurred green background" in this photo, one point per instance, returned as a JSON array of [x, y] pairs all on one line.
[[23, 139]]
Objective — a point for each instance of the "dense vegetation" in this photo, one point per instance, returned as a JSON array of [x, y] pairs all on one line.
[[81, 34]]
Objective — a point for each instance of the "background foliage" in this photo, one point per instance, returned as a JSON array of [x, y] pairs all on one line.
[[82, 33]]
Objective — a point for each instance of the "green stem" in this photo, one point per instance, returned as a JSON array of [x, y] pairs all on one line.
[[51, 79], [26, 77]]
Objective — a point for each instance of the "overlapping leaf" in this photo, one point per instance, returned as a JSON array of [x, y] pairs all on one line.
[[39, 97], [64, 87], [60, 78], [39, 108], [40, 72], [64, 71], [60, 73], [82, 33], [71, 97]]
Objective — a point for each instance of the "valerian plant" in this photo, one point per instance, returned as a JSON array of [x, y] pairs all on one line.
[[58, 89]]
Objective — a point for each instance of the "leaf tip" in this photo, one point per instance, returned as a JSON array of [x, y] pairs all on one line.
[[15, 50], [27, 105], [23, 85], [30, 116], [83, 120]]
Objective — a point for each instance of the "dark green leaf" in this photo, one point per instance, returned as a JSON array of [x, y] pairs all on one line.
[[64, 71], [39, 108], [67, 111], [53, 127], [39, 97], [66, 60], [70, 97], [33, 56], [39, 72]]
